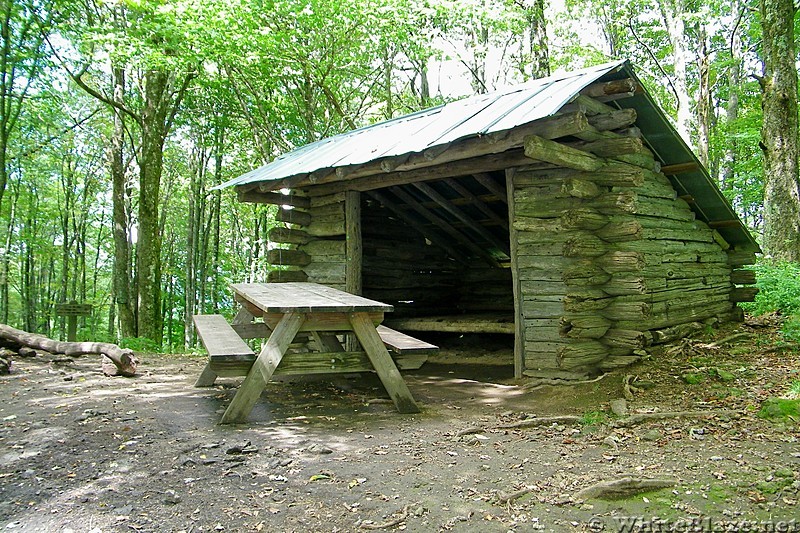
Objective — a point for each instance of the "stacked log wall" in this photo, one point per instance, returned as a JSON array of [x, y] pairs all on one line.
[[312, 245], [608, 259]]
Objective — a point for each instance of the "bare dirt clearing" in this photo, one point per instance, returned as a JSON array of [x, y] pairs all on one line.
[[83, 452]]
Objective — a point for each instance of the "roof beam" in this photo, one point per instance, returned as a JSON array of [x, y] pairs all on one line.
[[431, 193], [434, 237], [274, 198], [477, 202], [486, 179], [444, 225], [680, 168]]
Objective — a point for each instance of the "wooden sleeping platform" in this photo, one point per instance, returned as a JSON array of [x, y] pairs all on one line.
[[468, 323]]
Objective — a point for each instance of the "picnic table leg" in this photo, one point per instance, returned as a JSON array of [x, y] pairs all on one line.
[[382, 362], [207, 377], [263, 368]]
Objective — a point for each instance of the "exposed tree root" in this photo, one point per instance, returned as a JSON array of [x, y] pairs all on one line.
[[504, 498], [632, 420], [728, 340], [621, 487], [543, 421], [391, 523]]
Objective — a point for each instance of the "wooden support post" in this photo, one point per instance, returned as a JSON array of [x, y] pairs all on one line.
[[519, 323], [382, 361], [354, 244], [261, 371]]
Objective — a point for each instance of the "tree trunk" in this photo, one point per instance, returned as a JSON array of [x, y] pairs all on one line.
[[704, 110], [151, 161], [122, 243], [728, 165], [672, 12], [539, 51], [779, 136]]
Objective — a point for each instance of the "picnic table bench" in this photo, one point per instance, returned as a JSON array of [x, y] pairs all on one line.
[[322, 312]]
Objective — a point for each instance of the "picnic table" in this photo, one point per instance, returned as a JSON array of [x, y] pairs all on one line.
[[278, 312]]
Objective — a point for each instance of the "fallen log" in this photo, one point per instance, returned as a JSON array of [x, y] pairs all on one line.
[[123, 359]]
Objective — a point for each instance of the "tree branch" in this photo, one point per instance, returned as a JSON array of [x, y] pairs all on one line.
[[78, 79], [652, 56]]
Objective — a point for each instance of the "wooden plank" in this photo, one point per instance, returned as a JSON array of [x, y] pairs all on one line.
[[330, 272], [325, 248], [219, 337], [455, 323], [293, 216], [322, 321], [261, 372], [283, 276], [519, 322], [274, 198], [288, 236], [73, 309], [619, 118], [401, 343], [744, 294], [254, 330], [384, 367], [605, 88], [304, 298], [287, 257], [304, 363]]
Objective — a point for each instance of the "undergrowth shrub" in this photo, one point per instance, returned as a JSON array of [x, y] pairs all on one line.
[[779, 286]]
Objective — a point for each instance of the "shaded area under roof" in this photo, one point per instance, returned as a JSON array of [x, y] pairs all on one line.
[[502, 111]]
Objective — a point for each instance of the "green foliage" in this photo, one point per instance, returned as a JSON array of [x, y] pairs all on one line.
[[594, 418], [780, 408], [140, 344], [794, 390], [791, 328], [779, 289]]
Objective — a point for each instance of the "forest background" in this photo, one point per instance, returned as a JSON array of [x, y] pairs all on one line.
[[117, 117]]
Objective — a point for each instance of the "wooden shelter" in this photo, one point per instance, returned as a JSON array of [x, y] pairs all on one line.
[[567, 212]]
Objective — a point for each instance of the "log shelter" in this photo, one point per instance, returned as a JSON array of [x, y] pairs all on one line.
[[566, 212]]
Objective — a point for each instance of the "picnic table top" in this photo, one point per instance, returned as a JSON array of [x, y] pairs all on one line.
[[305, 297]]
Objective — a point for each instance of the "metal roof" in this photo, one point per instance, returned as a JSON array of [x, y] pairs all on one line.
[[505, 110], [417, 132]]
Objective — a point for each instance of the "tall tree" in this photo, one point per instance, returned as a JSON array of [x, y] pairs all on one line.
[[22, 58], [150, 40], [779, 136]]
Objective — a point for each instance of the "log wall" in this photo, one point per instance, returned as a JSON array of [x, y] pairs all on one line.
[[312, 246], [609, 260]]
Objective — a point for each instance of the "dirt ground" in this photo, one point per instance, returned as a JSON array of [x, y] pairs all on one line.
[[83, 452]]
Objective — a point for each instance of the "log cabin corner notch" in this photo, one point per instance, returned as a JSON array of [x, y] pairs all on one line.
[[566, 211]]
